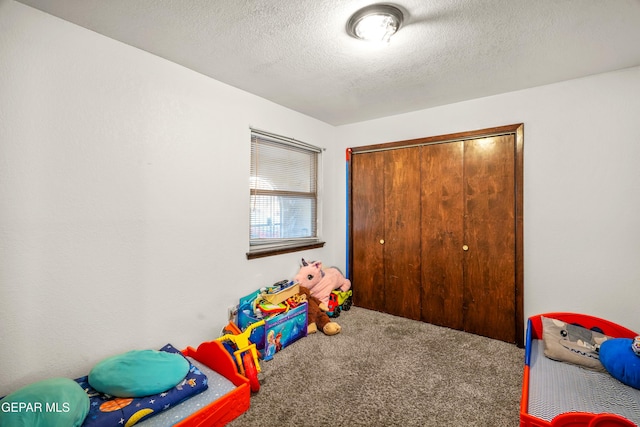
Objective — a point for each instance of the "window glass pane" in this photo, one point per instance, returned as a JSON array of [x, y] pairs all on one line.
[[298, 215], [281, 217], [265, 217], [283, 192]]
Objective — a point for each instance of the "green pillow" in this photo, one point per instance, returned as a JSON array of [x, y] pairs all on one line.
[[55, 402], [138, 373]]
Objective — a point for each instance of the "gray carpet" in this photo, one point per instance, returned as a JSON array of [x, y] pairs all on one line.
[[383, 370]]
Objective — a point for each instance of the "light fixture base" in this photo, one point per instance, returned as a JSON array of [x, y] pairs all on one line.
[[377, 22]]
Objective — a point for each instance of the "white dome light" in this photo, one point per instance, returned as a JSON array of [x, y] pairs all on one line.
[[375, 23]]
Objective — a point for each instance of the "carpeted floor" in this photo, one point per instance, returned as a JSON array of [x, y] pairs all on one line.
[[383, 370]]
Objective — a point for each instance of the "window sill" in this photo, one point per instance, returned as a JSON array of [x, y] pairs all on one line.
[[278, 251]]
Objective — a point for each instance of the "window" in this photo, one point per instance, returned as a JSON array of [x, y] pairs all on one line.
[[283, 191]]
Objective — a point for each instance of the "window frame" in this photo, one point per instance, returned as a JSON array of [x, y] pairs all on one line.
[[276, 246]]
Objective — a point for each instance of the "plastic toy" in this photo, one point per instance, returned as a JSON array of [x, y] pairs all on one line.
[[345, 299], [333, 306], [339, 301], [245, 353], [292, 324], [266, 308], [296, 300]]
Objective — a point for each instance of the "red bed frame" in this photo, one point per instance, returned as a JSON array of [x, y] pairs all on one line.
[[570, 419], [229, 406]]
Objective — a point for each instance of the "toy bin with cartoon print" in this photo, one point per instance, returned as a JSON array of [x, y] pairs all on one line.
[[278, 331]]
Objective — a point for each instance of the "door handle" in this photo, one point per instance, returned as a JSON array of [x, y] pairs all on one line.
[[382, 241], [465, 248]]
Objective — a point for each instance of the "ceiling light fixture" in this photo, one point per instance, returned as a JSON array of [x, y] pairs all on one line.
[[376, 23]]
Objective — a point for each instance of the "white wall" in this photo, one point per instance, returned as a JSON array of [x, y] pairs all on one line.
[[124, 198], [581, 185], [124, 208]]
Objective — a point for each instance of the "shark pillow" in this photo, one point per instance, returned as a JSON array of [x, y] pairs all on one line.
[[572, 344]]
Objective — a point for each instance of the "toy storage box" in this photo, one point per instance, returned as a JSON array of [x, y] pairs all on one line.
[[278, 332]]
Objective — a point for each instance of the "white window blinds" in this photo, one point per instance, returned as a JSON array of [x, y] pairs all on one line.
[[283, 191]]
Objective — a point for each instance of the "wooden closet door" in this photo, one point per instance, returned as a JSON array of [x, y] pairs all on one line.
[[442, 234], [367, 229], [468, 235], [386, 230], [437, 230], [490, 222], [402, 244]]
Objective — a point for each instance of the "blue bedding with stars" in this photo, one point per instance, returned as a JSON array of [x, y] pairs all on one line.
[[107, 411]]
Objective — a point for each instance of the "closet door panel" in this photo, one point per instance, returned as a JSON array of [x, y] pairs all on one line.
[[402, 232], [442, 232], [489, 262], [367, 193]]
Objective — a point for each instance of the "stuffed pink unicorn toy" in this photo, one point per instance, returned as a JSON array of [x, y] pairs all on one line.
[[321, 282]]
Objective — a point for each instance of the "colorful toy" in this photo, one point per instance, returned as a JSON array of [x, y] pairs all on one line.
[[339, 301], [333, 309], [279, 292], [321, 282], [296, 300], [245, 353], [345, 299], [266, 308], [290, 324], [317, 318], [635, 345]]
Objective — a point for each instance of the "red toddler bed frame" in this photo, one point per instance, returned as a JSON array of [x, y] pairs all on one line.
[[570, 419], [229, 406]]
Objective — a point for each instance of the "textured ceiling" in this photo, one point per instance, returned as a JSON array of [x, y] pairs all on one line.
[[297, 53]]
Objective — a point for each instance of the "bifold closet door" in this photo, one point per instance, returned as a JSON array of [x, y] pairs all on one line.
[[468, 236], [442, 234], [385, 231], [367, 228], [490, 237], [436, 230], [401, 241]]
